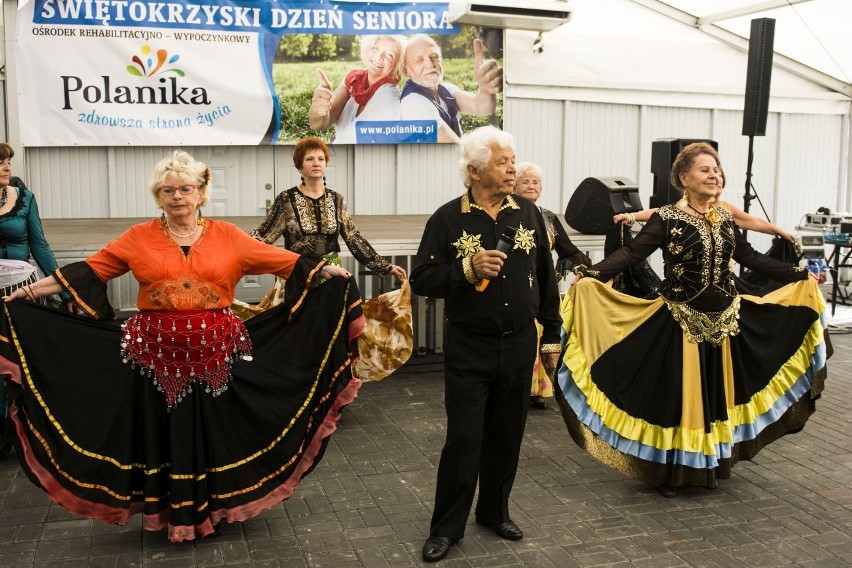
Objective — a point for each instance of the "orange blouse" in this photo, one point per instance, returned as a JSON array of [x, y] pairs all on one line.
[[201, 280]]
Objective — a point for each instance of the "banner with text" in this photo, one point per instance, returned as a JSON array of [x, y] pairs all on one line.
[[251, 72]]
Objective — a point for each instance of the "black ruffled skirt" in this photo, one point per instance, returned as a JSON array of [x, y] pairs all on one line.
[[97, 436], [643, 400]]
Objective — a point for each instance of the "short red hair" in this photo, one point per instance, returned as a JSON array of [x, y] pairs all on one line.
[[306, 145]]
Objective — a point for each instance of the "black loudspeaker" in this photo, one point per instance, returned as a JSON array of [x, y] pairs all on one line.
[[760, 49], [596, 200], [663, 154]]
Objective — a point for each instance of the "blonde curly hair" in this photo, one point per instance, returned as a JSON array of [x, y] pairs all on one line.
[[185, 166]]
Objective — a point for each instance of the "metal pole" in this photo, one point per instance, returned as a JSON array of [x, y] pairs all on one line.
[[747, 197]]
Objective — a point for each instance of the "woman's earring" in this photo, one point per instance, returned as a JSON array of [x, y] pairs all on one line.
[[303, 179], [711, 200], [682, 203], [323, 181]]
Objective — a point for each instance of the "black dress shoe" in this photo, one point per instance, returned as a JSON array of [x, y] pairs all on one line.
[[436, 548], [508, 530]]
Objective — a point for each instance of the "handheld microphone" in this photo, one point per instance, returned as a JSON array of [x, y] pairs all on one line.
[[504, 245]]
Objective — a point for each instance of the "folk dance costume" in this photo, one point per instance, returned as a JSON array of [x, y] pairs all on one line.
[[21, 236], [312, 227], [489, 350], [674, 391], [185, 414]]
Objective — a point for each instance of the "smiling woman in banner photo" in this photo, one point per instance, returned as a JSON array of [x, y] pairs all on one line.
[[367, 94], [467, 78]]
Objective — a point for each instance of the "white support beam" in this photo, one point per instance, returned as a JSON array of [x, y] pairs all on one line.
[[747, 10]]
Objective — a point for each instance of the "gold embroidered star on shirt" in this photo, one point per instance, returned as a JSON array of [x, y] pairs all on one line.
[[468, 245], [524, 239]]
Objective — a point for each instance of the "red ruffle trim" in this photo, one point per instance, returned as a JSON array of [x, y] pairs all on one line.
[[113, 515]]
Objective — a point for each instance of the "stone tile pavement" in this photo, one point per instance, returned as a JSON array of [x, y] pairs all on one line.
[[368, 503]]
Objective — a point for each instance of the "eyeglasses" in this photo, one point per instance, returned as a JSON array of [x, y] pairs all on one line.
[[530, 183], [168, 190]]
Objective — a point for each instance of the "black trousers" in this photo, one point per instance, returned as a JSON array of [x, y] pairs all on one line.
[[487, 394]]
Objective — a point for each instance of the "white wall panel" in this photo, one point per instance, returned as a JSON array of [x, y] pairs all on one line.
[[601, 141], [68, 182], [427, 177], [808, 176], [340, 172], [539, 137], [376, 181]]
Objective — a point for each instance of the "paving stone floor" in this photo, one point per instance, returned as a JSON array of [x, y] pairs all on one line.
[[368, 502]]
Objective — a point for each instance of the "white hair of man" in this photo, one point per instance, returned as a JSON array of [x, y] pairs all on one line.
[[419, 38], [476, 148], [528, 169]]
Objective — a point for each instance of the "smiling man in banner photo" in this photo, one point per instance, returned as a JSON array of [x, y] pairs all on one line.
[[426, 96]]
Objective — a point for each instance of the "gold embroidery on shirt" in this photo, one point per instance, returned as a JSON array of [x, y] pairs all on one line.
[[467, 204], [524, 239], [468, 245]]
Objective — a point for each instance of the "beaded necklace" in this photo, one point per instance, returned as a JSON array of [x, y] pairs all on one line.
[[182, 236]]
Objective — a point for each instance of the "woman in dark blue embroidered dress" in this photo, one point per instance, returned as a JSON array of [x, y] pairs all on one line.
[[21, 236]]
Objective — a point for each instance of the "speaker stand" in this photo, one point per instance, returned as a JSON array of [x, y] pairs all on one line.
[[747, 196], [750, 192]]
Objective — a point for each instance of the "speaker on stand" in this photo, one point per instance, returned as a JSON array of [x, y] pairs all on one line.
[[760, 49]]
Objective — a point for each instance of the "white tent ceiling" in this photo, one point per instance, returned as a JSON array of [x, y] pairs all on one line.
[[687, 53], [811, 36]]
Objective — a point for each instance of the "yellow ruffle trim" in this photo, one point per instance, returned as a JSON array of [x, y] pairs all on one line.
[[686, 439]]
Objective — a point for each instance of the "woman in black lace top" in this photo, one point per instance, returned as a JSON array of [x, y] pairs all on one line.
[[311, 216], [685, 385]]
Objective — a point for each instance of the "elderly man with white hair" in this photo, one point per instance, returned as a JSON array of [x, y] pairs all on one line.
[[426, 96], [493, 296]]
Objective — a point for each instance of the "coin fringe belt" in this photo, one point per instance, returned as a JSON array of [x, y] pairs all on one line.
[[182, 349]]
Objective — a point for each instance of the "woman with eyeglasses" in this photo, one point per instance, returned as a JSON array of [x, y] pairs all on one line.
[[528, 183], [184, 414]]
